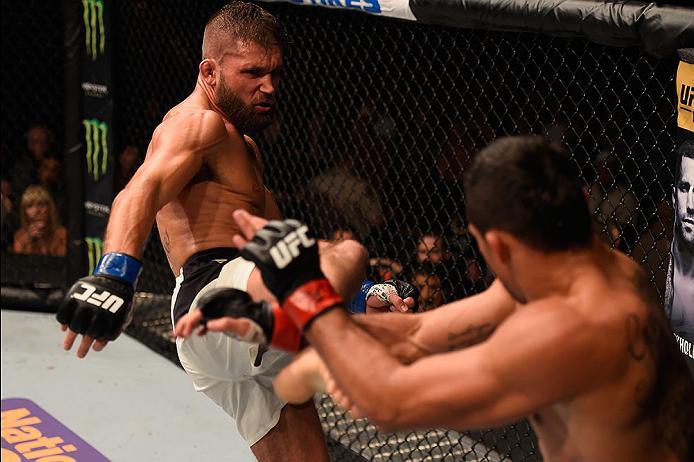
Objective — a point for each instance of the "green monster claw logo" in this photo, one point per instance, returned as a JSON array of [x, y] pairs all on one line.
[[94, 24], [96, 137], [95, 247]]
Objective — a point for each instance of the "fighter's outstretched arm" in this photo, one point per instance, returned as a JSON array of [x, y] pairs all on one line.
[[455, 325], [521, 368], [177, 151]]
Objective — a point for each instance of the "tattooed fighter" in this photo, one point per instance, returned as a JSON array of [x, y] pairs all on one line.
[[569, 335]]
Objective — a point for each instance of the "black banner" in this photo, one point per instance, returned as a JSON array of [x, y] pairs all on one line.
[[97, 125]]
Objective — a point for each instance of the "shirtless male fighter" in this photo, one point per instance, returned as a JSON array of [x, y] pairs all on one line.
[[200, 167], [570, 334]]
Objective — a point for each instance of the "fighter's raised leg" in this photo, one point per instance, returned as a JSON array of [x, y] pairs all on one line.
[[344, 265]]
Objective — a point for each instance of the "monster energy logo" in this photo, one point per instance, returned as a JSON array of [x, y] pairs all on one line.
[[93, 16], [96, 136], [95, 247]]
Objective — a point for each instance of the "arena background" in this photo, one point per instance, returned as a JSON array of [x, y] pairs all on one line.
[[379, 117]]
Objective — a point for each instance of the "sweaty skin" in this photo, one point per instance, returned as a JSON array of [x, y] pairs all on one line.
[[589, 359], [198, 169], [199, 217]]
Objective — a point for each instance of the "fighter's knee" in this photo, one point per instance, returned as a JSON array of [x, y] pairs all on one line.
[[344, 264], [354, 252]]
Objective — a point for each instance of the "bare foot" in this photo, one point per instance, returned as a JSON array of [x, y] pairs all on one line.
[[308, 375], [303, 378]]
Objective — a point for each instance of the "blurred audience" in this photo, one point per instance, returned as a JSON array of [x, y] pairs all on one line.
[[613, 205], [9, 214], [432, 247], [429, 283], [39, 144], [384, 268], [50, 177], [41, 231], [372, 139], [475, 276], [129, 161], [352, 198]]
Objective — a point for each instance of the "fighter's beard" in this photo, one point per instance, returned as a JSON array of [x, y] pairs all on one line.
[[243, 117]]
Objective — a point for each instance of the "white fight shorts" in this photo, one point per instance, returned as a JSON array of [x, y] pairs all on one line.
[[228, 371]]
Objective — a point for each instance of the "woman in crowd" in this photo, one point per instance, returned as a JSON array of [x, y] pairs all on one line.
[[40, 231]]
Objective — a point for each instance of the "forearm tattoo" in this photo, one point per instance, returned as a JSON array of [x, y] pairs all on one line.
[[471, 335]]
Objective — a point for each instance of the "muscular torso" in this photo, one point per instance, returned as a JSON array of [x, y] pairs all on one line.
[[200, 217], [635, 412]]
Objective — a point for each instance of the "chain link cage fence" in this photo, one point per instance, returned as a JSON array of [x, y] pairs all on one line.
[[378, 119]]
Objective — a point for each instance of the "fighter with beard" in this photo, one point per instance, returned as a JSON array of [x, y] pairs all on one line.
[[201, 166]]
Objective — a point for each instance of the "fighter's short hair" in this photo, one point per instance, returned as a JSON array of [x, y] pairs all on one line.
[[531, 188], [243, 21]]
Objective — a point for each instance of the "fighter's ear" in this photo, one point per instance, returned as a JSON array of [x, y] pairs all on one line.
[[498, 245], [208, 71]]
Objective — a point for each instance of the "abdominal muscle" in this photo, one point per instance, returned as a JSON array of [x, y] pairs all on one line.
[[199, 219]]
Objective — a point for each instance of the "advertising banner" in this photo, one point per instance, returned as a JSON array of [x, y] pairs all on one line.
[[97, 125], [390, 8], [29, 433], [679, 292]]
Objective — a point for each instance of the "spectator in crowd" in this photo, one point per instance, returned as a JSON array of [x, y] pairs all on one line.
[[39, 144], [40, 231], [431, 291], [373, 138], [475, 276], [348, 196], [9, 214], [128, 161], [384, 268], [432, 247], [6, 191], [49, 174], [50, 177], [612, 204]]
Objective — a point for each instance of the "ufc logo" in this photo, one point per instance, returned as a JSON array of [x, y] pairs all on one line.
[[105, 299], [287, 249]]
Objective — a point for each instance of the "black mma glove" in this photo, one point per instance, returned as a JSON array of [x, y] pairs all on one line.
[[269, 324], [286, 253], [100, 305]]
